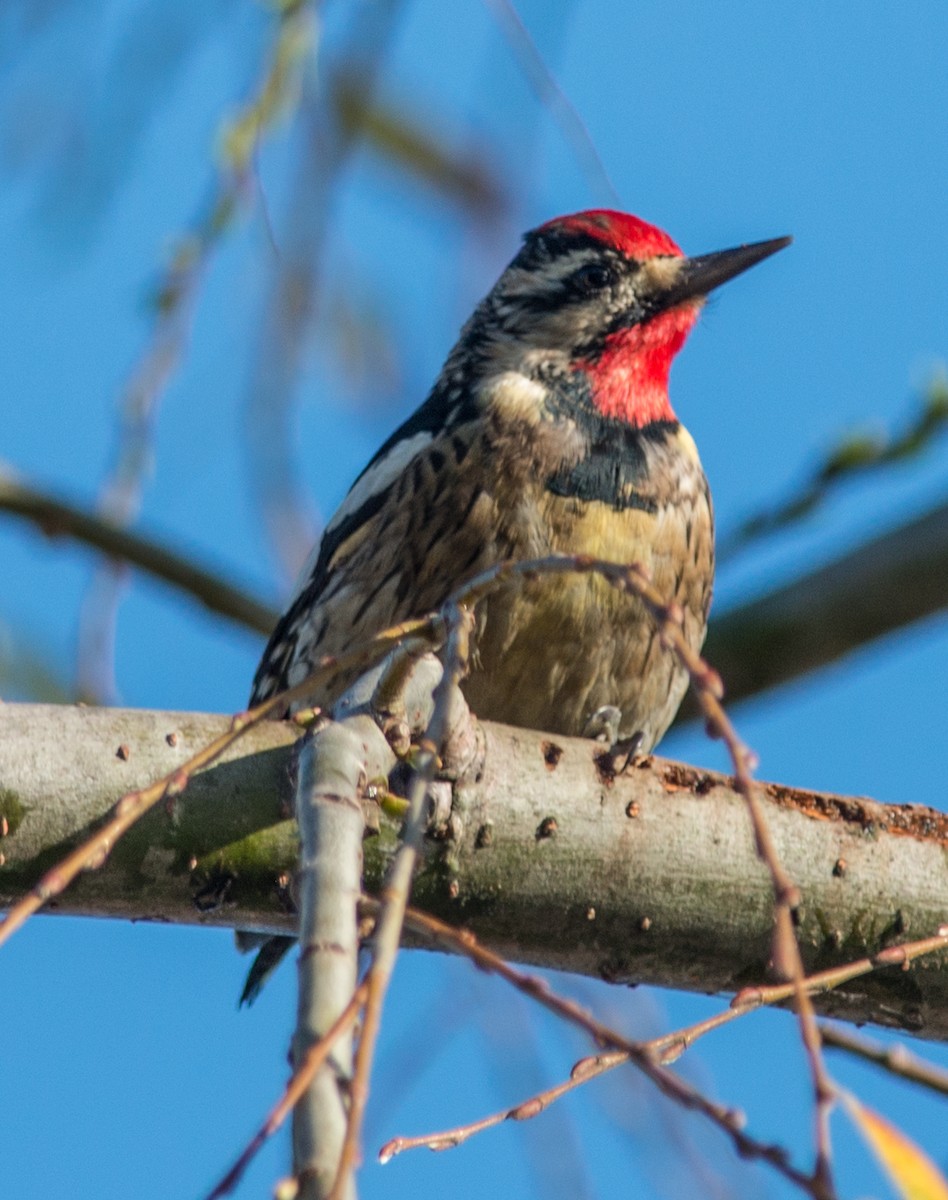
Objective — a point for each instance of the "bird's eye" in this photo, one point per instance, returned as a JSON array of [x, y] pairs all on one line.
[[593, 277]]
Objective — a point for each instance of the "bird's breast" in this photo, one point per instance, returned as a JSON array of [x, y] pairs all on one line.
[[554, 648]]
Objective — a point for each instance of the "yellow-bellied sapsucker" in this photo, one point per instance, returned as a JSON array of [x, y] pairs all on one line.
[[549, 431]]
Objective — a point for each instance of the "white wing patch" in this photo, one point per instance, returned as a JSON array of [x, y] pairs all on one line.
[[306, 570], [378, 477], [375, 480]]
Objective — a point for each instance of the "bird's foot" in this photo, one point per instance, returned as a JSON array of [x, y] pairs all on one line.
[[603, 726], [625, 751]]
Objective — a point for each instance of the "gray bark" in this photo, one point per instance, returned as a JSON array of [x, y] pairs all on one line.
[[645, 877], [332, 780]]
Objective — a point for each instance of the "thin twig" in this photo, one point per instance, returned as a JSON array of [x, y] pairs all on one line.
[[677, 1089], [450, 1138], [709, 689], [549, 93], [669, 1047], [672, 1045], [57, 517], [786, 952], [316, 1055], [894, 1059]]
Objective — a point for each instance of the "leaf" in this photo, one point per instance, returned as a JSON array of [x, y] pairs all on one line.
[[912, 1172]]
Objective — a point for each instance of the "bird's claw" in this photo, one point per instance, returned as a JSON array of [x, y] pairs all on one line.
[[603, 726], [626, 750]]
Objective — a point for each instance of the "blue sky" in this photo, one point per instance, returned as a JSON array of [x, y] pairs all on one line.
[[130, 1069]]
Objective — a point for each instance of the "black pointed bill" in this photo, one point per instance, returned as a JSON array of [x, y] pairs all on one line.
[[703, 274]]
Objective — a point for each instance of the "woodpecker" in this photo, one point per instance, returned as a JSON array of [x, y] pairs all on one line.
[[548, 431]]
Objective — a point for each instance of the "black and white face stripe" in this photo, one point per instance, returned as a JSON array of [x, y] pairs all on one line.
[[553, 270], [543, 248], [569, 292]]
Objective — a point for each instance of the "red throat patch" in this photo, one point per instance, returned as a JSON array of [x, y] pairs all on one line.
[[630, 378]]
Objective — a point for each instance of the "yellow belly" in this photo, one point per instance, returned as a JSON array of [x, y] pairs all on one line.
[[554, 649]]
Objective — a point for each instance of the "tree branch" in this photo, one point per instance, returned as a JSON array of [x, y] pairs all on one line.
[[58, 518], [550, 857], [333, 770]]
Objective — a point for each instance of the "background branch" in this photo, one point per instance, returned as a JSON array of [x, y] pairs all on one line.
[[647, 876], [855, 453], [59, 518], [881, 586]]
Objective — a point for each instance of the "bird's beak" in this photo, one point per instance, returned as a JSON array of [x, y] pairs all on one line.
[[698, 276]]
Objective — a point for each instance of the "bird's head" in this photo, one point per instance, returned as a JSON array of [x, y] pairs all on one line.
[[609, 297]]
